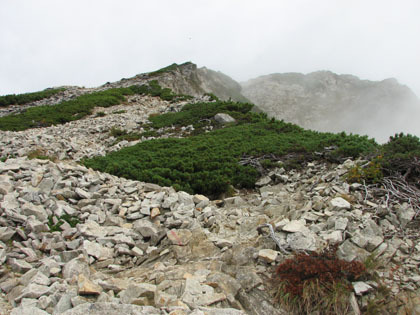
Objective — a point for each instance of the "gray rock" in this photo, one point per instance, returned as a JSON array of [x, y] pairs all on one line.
[[341, 224], [349, 252], [28, 310], [64, 303], [97, 250], [76, 267], [197, 294], [145, 228], [6, 233], [179, 237], [302, 241], [18, 265], [263, 181], [33, 291], [111, 309], [224, 118], [405, 215], [361, 287], [135, 293], [339, 203], [295, 226], [37, 210], [268, 255]]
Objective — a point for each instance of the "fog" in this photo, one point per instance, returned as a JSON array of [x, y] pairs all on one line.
[[47, 43]]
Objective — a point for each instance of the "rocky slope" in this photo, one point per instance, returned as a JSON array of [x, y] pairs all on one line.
[[190, 80], [136, 248], [325, 101]]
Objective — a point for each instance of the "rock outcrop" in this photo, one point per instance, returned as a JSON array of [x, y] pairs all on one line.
[[325, 101]]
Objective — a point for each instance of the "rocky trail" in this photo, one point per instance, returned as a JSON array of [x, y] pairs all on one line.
[[77, 241]]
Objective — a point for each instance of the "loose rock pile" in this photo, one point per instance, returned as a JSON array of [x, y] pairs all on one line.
[[77, 241]]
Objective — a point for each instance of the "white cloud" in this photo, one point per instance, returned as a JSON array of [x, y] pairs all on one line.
[[48, 42]]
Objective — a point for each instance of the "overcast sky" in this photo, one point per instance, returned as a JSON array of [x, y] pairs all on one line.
[[45, 43]]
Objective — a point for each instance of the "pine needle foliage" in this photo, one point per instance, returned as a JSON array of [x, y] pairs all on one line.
[[20, 99], [208, 163]]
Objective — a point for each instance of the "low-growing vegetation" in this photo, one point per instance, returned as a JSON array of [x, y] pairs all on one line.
[[208, 163], [44, 116], [316, 283], [20, 99], [55, 223], [169, 68], [41, 155]]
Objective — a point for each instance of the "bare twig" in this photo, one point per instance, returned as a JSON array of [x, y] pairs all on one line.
[[273, 236]]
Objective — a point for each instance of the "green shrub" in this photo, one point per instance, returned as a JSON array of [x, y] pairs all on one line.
[[208, 163], [21, 99], [100, 114], [169, 68], [44, 116]]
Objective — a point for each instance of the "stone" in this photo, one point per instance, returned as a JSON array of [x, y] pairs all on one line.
[[263, 181], [5, 188], [197, 294], [83, 194], [268, 255], [145, 228], [97, 250], [361, 287], [222, 118], [64, 303], [339, 203], [37, 210], [87, 287], [302, 241], [28, 310], [405, 215], [6, 233], [141, 292], [341, 224], [154, 213], [110, 309], [33, 291], [349, 252], [18, 265], [75, 267], [333, 237], [295, 226], [179, 237]]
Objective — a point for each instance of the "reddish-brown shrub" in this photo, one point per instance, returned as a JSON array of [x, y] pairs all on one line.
[[324, 268]]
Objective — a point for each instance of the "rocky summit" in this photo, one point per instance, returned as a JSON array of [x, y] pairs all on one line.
[[78, 241]]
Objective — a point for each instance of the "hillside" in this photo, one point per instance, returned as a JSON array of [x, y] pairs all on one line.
[[326, 101], [132, 198]]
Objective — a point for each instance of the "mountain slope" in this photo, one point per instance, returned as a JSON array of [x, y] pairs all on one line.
[[326, 101], [188, 79]]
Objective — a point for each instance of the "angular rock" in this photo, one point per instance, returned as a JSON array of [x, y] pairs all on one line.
[[75, 267], [222, 118], [87, 287], [295, 226], [302, 241], [268, 255], [18, 265], [143, 293], [339, 203], [349, 252], [361, 287], [179, 237], [111, 309], [28, 310], [6, 233], [145, 228], [97, 250]]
